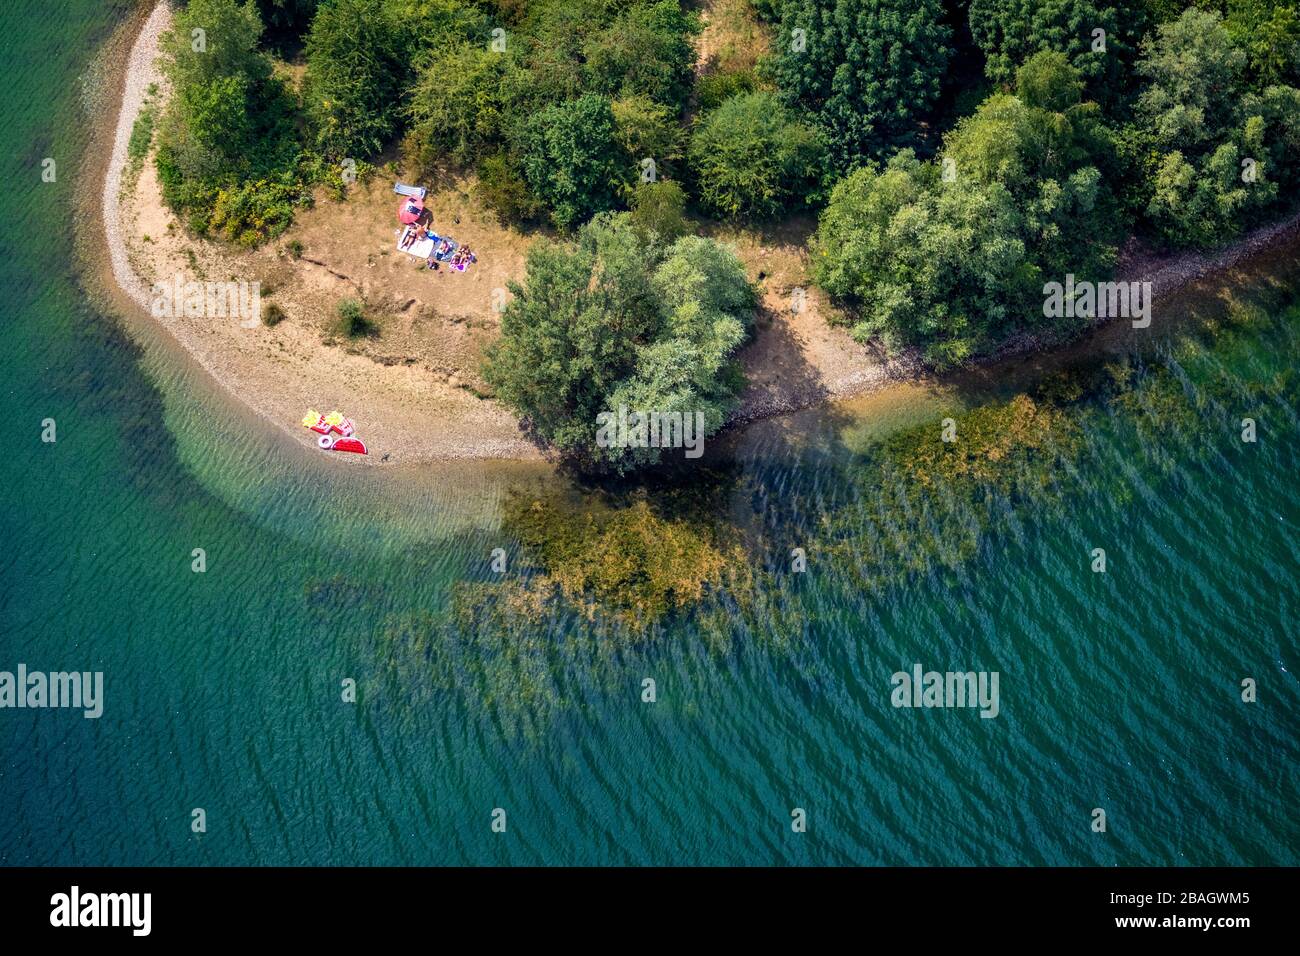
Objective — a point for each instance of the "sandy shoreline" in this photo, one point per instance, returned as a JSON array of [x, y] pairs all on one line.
[[413, 409], [406, 412], [140, 72]]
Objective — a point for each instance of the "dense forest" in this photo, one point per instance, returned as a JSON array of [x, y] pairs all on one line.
[[957, 156]]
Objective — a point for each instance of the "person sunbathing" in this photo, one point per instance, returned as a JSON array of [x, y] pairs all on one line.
[[409, 238]]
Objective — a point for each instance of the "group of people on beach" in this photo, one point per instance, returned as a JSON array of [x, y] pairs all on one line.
[[460, 258]]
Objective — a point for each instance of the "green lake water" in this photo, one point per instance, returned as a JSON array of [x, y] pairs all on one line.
[[1119, 691]]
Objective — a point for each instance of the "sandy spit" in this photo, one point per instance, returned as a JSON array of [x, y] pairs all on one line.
[[404, 414]]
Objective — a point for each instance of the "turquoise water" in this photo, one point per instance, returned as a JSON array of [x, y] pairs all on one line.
[[1118, 691]]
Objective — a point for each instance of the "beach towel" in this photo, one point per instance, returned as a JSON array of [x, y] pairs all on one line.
[[441, 248], [418, 192], [421, 248]]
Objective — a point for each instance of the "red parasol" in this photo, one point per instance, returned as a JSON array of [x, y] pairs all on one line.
[[409, 210]]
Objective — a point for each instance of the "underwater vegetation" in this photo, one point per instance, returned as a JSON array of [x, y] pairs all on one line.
[[604, 579]]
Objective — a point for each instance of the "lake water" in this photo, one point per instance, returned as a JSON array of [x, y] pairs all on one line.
[[1120, 691]]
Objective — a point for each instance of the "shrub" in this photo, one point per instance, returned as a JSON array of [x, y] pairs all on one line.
[[660, 207], [272, 314], [712, 89], [352, 322], [252, 212], [752, 157], [502, 189], [647, 130], [137, 146]]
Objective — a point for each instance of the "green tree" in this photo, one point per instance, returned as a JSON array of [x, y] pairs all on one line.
[[1194, 75], [660, 207], [572, 160], [648, 130], [867, 70], [950, 256], [617, 317], [939, 265], [214, 39], [1269, 32], [1278, 110], [459, 106], [1214, 157], [428, 26], [553, 37], [1203, 205], [647, 50], [753, 157], [228, 120], [356, 73], [1011, 31], [1047, 148]]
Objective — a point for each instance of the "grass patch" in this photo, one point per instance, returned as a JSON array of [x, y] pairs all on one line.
[[137, 147], [353, 322], [272, 314]]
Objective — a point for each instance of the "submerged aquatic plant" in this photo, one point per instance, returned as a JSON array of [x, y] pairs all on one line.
[[628, 562], [604, 576]]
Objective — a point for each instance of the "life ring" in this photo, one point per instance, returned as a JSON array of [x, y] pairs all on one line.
[[325, 442]]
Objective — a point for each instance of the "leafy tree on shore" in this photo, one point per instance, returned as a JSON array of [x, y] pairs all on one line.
[[619, 317], [459, 104], [229, 120], [356, 72], [925, 262], [1047, 147], [1218, 156], [1195, 75], [951, 255], [226, 46], [1269, 32]]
